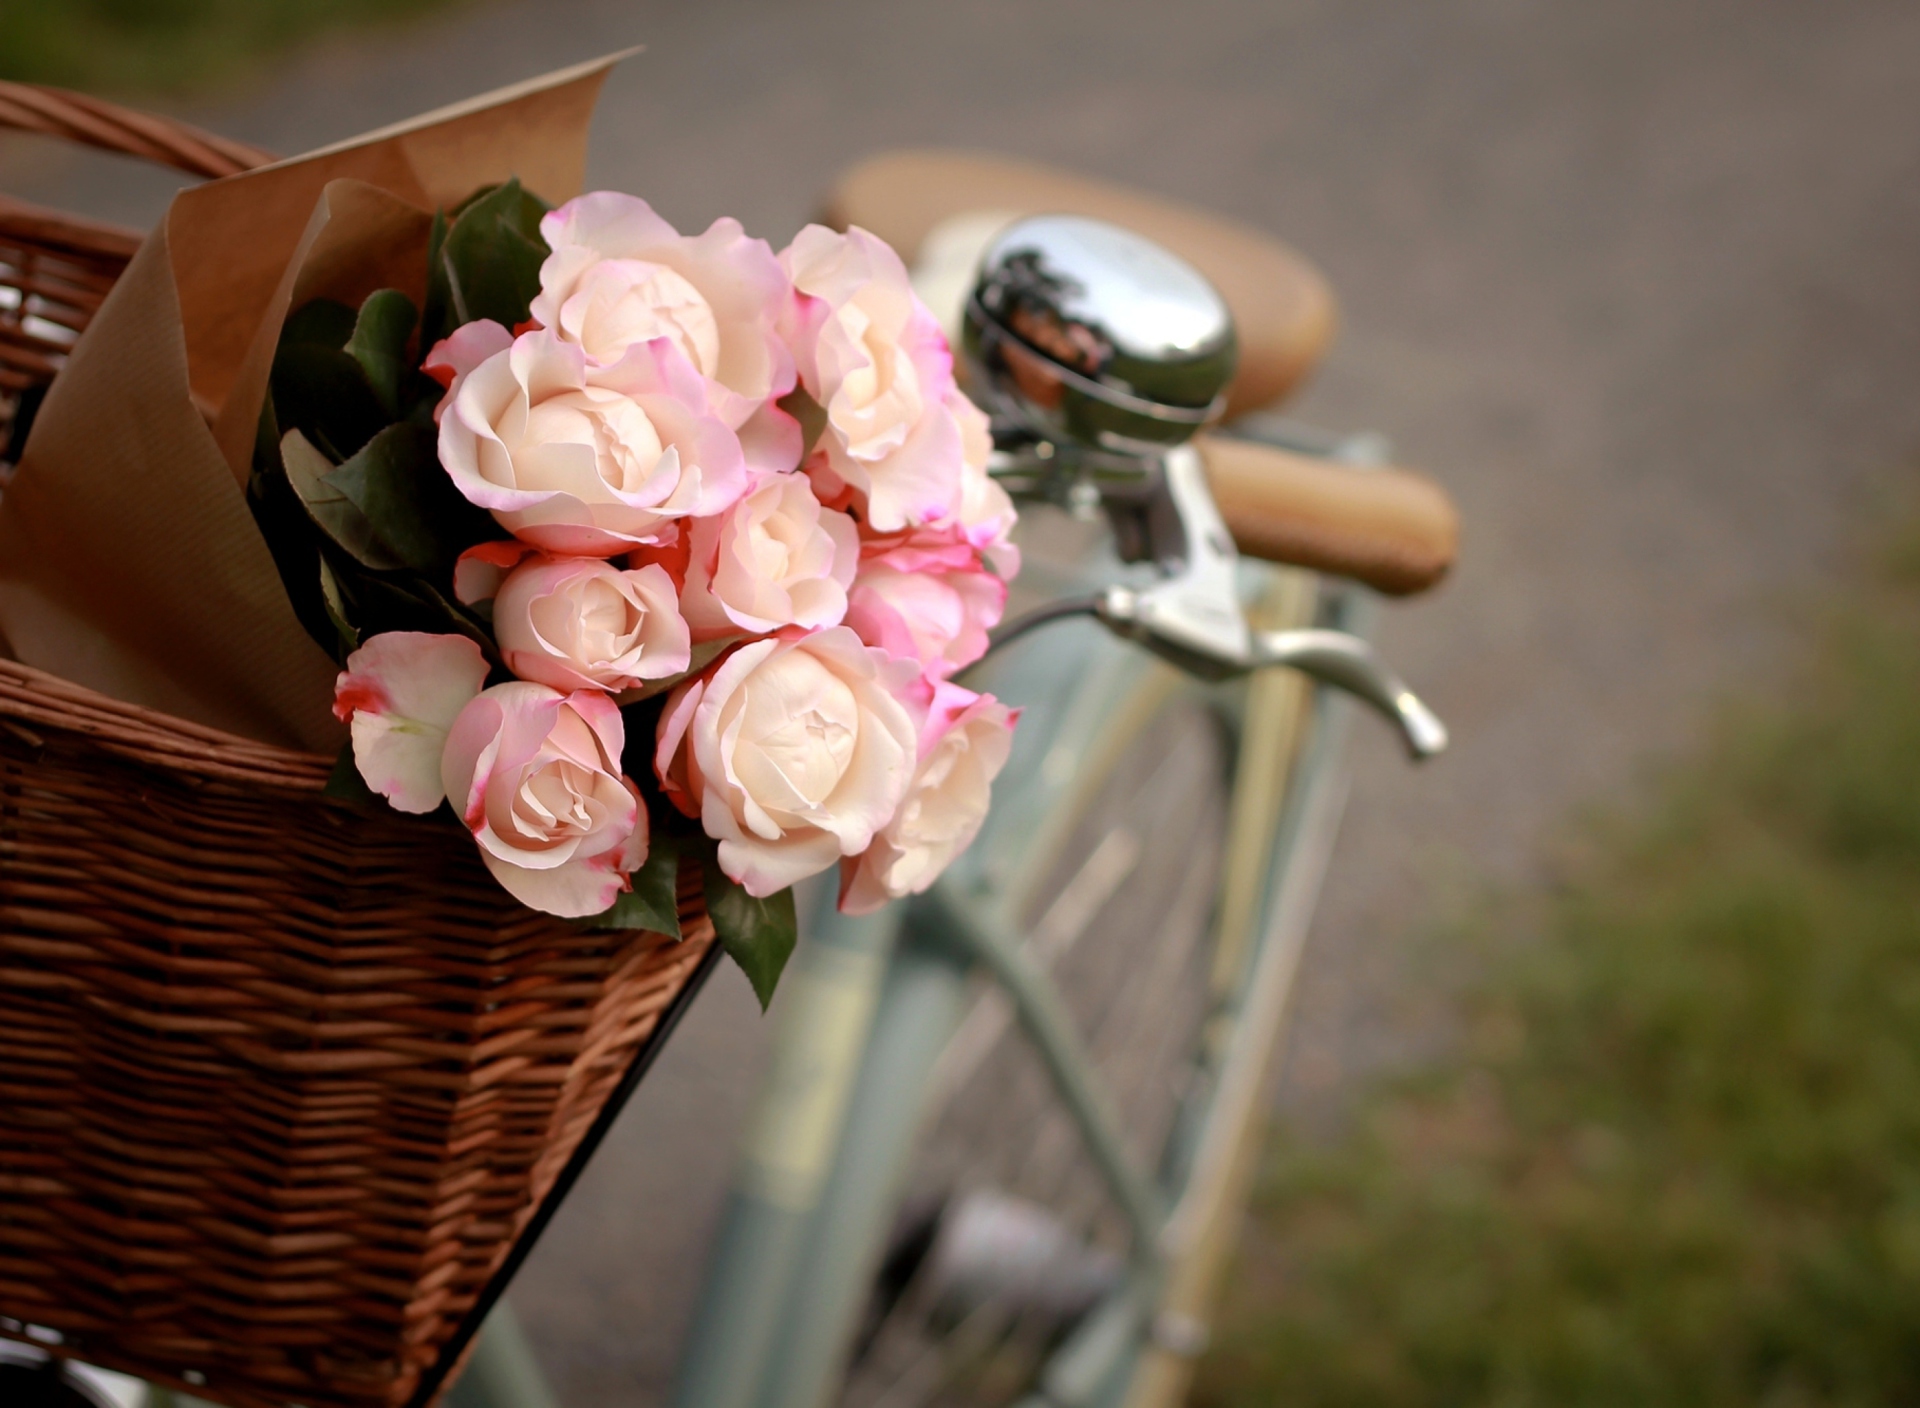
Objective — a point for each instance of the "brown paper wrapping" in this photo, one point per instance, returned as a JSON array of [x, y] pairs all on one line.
[[129, 561]]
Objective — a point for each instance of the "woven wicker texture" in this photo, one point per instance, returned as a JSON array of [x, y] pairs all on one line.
[[55, 268], [280, 1082]]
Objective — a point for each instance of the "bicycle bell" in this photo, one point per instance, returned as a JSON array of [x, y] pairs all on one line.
[[1081, 331]]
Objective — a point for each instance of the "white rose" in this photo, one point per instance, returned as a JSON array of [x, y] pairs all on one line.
[[776, 558], [877, 362], [792, 753], [579, 463], [581, 623], [619, 274], [970, 737]]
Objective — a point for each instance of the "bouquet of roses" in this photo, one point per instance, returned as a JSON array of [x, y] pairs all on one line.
[[628, 541]]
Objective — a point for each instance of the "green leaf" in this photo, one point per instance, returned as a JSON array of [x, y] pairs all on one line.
[[399, 486], [365, 545], [379, 345], [389, 507], [322, 392], [654, 901], [436, 315], [332, 511], [757, 934], [463, 619], [345, 785], [290, 535], [378, 602], [336, 608], [488, 263], [325, 322]]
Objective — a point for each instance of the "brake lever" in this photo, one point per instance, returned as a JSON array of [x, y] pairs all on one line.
[[1192, 616], [1350, 663], [1336, 658]]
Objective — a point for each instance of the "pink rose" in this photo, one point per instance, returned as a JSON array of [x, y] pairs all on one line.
[[619, 274], [926, 596], [579, 463], [581, 623], [776, 558], [984, 514], [399, 695], [793, 752], [875, 359], [964, 745], [535, 774]]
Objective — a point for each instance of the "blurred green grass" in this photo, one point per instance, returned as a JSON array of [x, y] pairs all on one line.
[[138, 48], [1675, 1159]]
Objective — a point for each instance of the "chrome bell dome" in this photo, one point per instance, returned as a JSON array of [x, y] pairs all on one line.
[[1082, 331]]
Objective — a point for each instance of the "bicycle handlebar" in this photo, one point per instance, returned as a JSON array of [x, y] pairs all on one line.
[[1393, 529]]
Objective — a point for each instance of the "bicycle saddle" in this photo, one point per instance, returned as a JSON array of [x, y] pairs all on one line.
[[1282, 307]]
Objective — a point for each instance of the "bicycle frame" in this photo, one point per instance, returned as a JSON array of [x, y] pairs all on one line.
[[870, 1004], [873, 1003]]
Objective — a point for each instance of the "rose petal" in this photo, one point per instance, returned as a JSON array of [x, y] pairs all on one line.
[[461, 351], [874, 358], [582, 460], [478, 572], [619, 273], [576, 890], [400, 693]]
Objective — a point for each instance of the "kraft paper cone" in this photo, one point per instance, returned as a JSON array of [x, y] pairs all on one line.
[[360, 238], [129, 561]]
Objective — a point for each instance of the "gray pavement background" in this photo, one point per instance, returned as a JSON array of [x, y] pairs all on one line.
[[1638, 279]]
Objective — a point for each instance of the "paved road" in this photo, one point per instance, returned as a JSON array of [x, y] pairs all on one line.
[[1640, 279]]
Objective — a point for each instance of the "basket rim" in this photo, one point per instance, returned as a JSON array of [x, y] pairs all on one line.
[[62, 233], [33, 697], [86, 120]]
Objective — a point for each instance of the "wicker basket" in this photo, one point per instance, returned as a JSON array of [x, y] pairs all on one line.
[[285, 1090]]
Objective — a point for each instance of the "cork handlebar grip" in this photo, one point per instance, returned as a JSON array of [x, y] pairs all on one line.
[[1393, 529]]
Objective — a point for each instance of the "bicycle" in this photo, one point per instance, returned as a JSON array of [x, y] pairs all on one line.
[[1056, 1235], [1068, 1255]]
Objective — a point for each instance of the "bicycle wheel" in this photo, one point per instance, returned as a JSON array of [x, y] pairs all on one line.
[[1121, 919], [1143, 895]]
